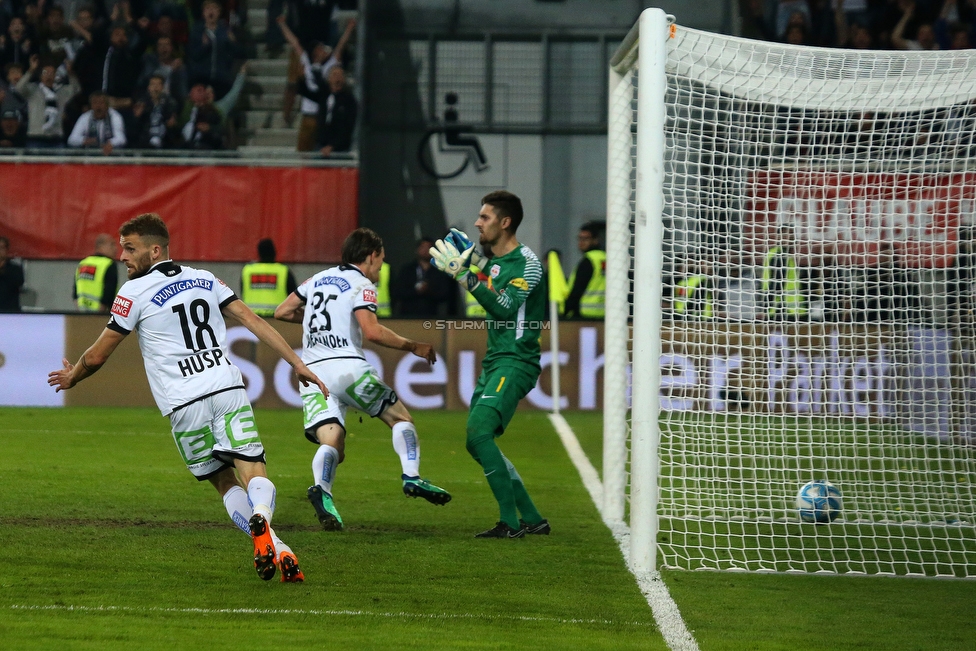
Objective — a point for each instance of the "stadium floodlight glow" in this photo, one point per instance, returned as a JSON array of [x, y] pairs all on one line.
[[791, 296]]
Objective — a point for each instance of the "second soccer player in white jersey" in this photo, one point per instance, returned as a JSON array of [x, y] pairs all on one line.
[[337, 308], [177, 311]]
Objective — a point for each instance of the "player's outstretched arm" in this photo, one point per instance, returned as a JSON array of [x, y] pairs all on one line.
[[292, 309], [91, 360], [263, 331], [377, 333]]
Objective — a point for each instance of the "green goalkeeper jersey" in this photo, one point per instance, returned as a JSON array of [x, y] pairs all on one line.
[[515, 299]]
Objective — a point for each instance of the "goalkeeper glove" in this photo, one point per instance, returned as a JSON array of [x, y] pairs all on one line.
[[446, 257], [461, 242]]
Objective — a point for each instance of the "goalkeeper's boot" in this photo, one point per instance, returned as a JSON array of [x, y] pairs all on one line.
[[501, 530], [417, 487], [288, 566], [264, 549], [325, 509], [540, 528]]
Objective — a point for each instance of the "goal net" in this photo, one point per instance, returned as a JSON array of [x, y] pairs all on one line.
[[790, 280]]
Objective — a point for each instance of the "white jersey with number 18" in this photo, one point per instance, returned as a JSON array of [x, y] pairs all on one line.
[[330, 329], [176, 311]]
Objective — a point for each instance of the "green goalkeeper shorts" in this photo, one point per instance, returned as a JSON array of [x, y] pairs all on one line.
[[501, 389]]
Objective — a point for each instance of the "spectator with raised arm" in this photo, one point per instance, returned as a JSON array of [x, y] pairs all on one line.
[[121, 68], [314, 26], [315, 68], [924, 34], [54, 38], [101, 126], [155, 117], [211, 50], [12, 100], [337, 112], [163, 62], [15, 47], [45, 102], [90, 45]]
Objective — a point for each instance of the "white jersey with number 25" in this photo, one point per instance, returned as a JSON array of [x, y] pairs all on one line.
[[330, 329], [176, 311]]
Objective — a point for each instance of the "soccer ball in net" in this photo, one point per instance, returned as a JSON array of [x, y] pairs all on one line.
[[818, 501]]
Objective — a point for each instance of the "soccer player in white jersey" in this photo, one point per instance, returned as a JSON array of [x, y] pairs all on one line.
[[337, 308], [177, 311]]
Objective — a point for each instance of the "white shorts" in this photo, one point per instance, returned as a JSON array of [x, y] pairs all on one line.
[[352, 383], [211, 432]]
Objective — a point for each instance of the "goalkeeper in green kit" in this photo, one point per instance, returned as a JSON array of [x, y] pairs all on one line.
[[514, 298]]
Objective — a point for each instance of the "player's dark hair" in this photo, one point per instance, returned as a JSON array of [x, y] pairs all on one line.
[[505, 204], [5, 241], [148, 226], [596, 228], [359, 245], [266, 250]]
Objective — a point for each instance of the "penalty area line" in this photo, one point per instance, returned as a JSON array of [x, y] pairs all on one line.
[[137, 610], [652, 586]]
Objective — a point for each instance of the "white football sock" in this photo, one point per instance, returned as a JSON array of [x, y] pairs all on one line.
[[261, 494], [406, 444], [238, 508], [279, 544], [324, 465]]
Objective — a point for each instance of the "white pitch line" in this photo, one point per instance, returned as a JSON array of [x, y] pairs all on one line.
[[302, 611], [666, 613]]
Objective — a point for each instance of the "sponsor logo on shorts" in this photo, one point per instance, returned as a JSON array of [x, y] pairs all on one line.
[[121, 306], [369, 296], [179, 286]]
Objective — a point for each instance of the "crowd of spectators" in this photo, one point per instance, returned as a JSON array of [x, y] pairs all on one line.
[[863, 24], [109, 74]]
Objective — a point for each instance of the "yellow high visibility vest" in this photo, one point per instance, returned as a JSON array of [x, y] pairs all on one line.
[[791, 300], [472, 308], [686, 292], [90, 282], [264, 285], [383, 308], [558, 289], [592, 303]]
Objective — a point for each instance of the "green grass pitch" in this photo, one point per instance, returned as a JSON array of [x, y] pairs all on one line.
[[111, 544]]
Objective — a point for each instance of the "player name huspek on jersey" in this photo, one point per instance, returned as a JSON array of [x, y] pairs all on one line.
[[330, 329], [176, 311]]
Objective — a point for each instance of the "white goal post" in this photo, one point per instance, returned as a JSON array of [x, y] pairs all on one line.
[[790, 297]]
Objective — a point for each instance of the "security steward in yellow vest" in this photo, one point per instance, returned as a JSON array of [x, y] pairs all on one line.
[[693, 298], [781, 290], [384, 309], [96, 277], [266, 284], [588, 283]]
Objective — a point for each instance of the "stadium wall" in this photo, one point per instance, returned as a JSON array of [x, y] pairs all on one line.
[[214, 212]]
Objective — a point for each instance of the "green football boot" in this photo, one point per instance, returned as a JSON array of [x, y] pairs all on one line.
[[325, 510], [417, 487]]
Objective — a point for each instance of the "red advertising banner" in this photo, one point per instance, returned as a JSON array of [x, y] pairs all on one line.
[[214, 213], [859, 218]]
